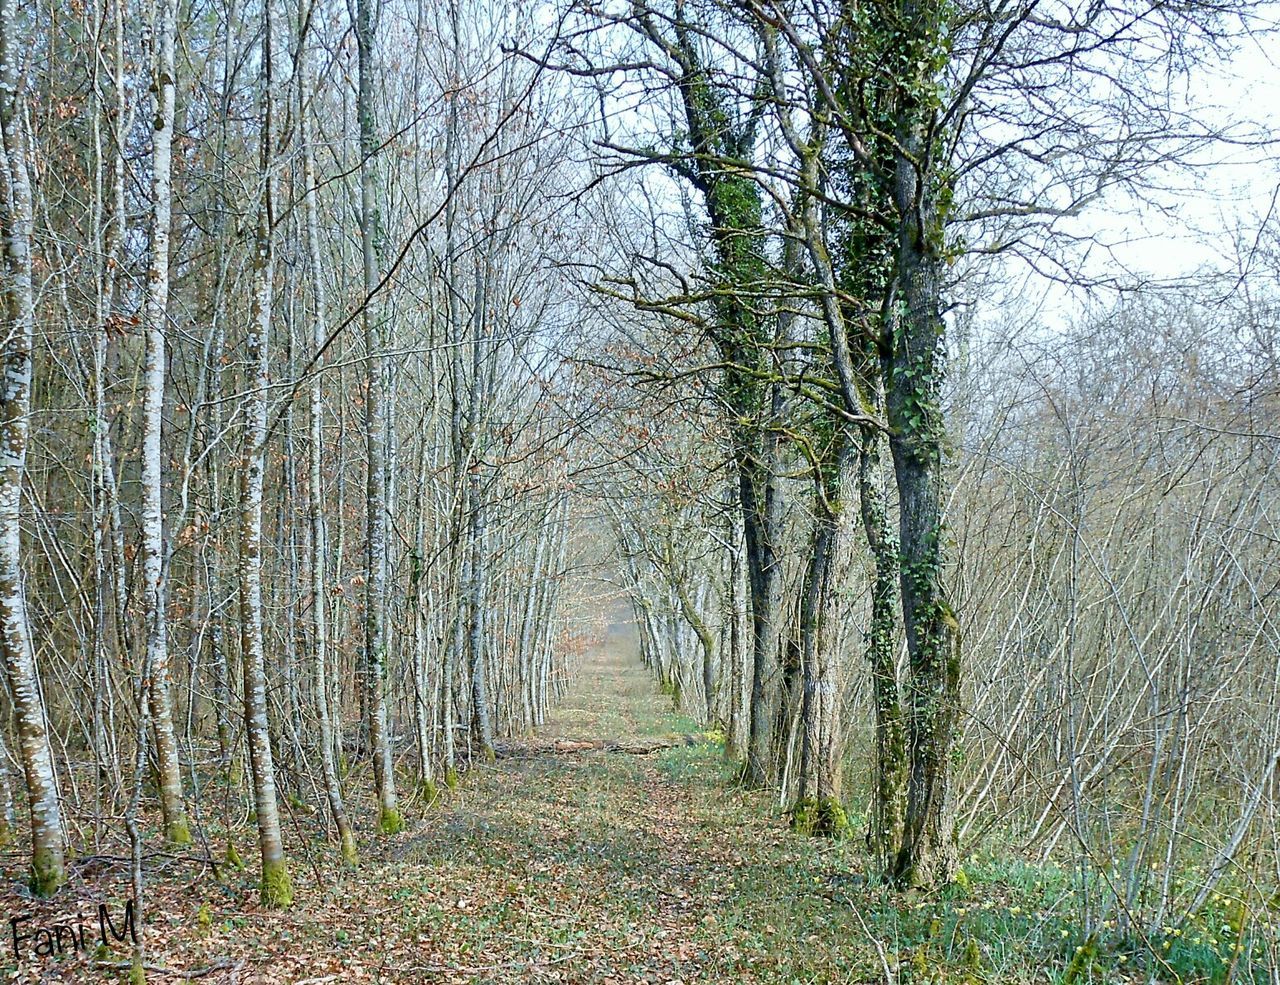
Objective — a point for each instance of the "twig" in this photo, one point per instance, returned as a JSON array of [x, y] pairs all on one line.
[[224, 964]]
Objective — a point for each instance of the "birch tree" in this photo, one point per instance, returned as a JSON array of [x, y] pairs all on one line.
[[48, 870], [277, 886], [163, 30]]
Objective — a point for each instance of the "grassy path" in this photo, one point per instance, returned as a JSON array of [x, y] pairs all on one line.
[[593, 866], [590, 866]]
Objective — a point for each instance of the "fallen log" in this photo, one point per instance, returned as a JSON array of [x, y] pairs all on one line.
[[630, 747]]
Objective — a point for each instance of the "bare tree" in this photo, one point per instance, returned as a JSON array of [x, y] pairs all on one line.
[[47, 861]]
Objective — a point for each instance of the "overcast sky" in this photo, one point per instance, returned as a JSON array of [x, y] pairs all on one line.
[[1198, 222]]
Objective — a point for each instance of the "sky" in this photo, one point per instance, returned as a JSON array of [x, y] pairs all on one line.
[[1200, 220]]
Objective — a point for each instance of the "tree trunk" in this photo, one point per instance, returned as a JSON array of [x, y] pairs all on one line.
[[277, 888], [818, 810], [376, 642], [477, 638], [423, 703], [913, 378], [761, 502], [177, 830], [884, 829], [706, 640], [47, 866], [315, 488]]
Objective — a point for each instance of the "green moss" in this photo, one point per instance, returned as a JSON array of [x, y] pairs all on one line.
[[178, 832], [390, 822], [47, 873], [1081, 962], [1237, 915], [819, 818], [451, 778], [7, 837], [429, 791], [137, 974], [232, 857], [204, 917], [277, 887], [489, 755], [350, 857]]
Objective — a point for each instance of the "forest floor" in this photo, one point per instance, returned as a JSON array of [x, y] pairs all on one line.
[[593, 865]]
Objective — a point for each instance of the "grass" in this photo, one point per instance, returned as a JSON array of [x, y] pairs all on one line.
[[608, 867]]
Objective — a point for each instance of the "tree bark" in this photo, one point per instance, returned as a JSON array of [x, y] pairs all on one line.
[[762, 517], [928, 855], [315, 488], [277, 887], [884, 829], [155, 315], [376, 630], [47, 864]]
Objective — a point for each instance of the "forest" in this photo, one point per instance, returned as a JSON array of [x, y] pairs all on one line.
[[653, 491]]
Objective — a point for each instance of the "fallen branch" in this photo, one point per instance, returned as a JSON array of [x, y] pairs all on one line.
[[632, 747], [224, 964]]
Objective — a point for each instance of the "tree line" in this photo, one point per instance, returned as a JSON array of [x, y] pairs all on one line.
[[287, 490], [872, 446], [341, 342]]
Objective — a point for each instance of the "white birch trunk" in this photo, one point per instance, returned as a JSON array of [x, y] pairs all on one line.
[[277, 888], [155, 313], [47, 865]]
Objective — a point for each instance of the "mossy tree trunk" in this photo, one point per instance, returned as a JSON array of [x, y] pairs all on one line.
[[717, 162], [818, 810], [47, 865], [884, 827], [913, 374]]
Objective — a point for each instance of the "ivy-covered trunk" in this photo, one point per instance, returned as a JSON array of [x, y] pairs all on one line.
[[927, 856], [884, 829]]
